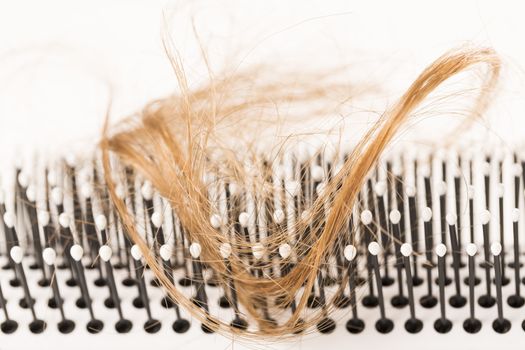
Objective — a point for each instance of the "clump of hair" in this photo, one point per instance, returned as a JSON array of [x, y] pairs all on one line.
[[176, 141]]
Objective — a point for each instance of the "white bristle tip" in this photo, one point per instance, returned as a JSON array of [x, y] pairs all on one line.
[[442, 188], [292, 187], [147, 191], [278, 216], [57, 196], [31, 193], [76, 252], [410, 191], [17, 254], [485, 217], [427, 214], [258, 251], [285, 250], [380, 188], [320, 188], [366, 217], [157, 219], [86, 190], [515, 215], [395, 216], [451, 219], [195, 250], [71, 159], [105, 252], [470, 192], [516, 169], [244, 219], [317, 173], [9, 219], [136, 253], [101, 222], [374, 248], [23, 179], [439, 154], [43, 218], [234, 189], [424, 170], [486, 168], [471, 249], [216, 221], [441, 250], [495, 248], [225, 250], [52, 178], [120, 191], [63, 220], [397, 170], [406, 249], [501, 190], [305, 214], [165, 252], [49, 255], [350, 252]]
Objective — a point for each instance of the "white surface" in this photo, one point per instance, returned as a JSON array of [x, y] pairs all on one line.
[[60, 61]]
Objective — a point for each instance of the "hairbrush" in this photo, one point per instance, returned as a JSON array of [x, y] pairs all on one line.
[[164, 227]]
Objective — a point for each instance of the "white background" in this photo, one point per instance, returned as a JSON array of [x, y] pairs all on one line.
[[61, 61]]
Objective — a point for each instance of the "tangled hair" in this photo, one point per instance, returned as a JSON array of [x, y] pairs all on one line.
[[177, 142]]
